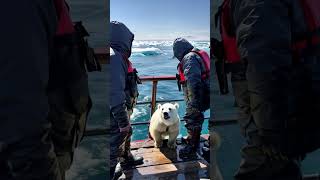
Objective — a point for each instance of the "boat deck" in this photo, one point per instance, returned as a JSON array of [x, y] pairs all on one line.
[[164, 163]]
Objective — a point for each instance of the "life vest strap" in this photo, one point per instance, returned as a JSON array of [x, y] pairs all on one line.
[[228, 35], [182, 78], [130, 66]]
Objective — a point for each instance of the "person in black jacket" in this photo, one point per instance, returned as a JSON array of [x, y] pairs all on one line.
[[123, 98], [283, 85], [26, 149], [196, 93]]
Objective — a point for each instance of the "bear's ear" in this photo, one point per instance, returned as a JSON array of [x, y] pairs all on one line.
[[176, 105], [159, 106]]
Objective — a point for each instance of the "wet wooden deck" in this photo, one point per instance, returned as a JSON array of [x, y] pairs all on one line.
[[165, 163]]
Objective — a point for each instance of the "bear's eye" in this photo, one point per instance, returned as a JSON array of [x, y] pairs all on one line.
[[162, 109], [169, 109]]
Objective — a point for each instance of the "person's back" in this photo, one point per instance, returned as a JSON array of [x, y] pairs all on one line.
[[228, 57], [283, 76], [194, 76], [123, 96], [25, 55], [68, 88]]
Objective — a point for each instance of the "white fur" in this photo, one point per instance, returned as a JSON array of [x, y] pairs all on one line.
[[161, 127]]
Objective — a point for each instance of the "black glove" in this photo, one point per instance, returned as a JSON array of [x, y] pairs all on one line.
[[217, 49]]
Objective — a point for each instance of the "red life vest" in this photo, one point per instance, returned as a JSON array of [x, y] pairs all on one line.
[[311, 39], [205, 63], [132, 81], [229, 41], [65, 25], [301, 45], [130, 67], [129, 63]]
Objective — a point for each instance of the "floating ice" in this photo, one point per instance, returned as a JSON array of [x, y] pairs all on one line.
[[149, 51]]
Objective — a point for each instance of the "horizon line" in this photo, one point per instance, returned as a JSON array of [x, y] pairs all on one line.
[[169, 39]]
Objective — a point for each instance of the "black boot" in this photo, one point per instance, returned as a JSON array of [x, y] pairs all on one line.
[[130, 160], [206, 143], [206, 150], [193, 140], [127, 158], [112, 169], [206, 154]]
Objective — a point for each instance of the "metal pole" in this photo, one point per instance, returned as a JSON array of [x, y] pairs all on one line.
[[154, 96]]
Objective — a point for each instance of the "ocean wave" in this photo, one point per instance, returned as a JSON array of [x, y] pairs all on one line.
[[144, 44], [149, 51], [167, 44], [83, 161], [146, 98], [138, 112]]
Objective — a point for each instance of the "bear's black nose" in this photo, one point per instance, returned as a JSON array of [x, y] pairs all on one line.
[[165, 114]]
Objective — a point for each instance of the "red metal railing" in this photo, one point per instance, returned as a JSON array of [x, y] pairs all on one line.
[[155, 80], [154, 101]]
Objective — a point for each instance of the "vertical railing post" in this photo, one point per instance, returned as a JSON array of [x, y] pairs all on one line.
[[154, 96]]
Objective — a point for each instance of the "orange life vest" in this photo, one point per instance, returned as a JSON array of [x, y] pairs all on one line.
[[205, 63], [229, 41], [302, 44], [65, 25], [132, 82]]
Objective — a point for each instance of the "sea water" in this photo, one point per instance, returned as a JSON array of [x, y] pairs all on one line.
[[154, 58], [90, 161]]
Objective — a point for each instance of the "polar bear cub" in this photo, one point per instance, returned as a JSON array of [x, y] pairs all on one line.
[[164, 122]]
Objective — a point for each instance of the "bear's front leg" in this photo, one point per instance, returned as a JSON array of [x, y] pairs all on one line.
[[157, 140], [172, 139]]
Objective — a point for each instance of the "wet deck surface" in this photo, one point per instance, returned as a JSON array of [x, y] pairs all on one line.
[[164, 163]]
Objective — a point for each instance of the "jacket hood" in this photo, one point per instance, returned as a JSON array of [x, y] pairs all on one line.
[[121, 38], [181, 47]]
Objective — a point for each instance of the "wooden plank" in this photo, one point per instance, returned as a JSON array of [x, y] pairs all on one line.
[[158, 78], [182, 170], [142, 144], [164, 163], [156, 156], [148, 143]]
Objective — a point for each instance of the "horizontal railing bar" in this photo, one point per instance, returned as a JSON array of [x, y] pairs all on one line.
[[143, 103], [148, 122], [215, 122], [104, 131], [157, 78], [159, 101]]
